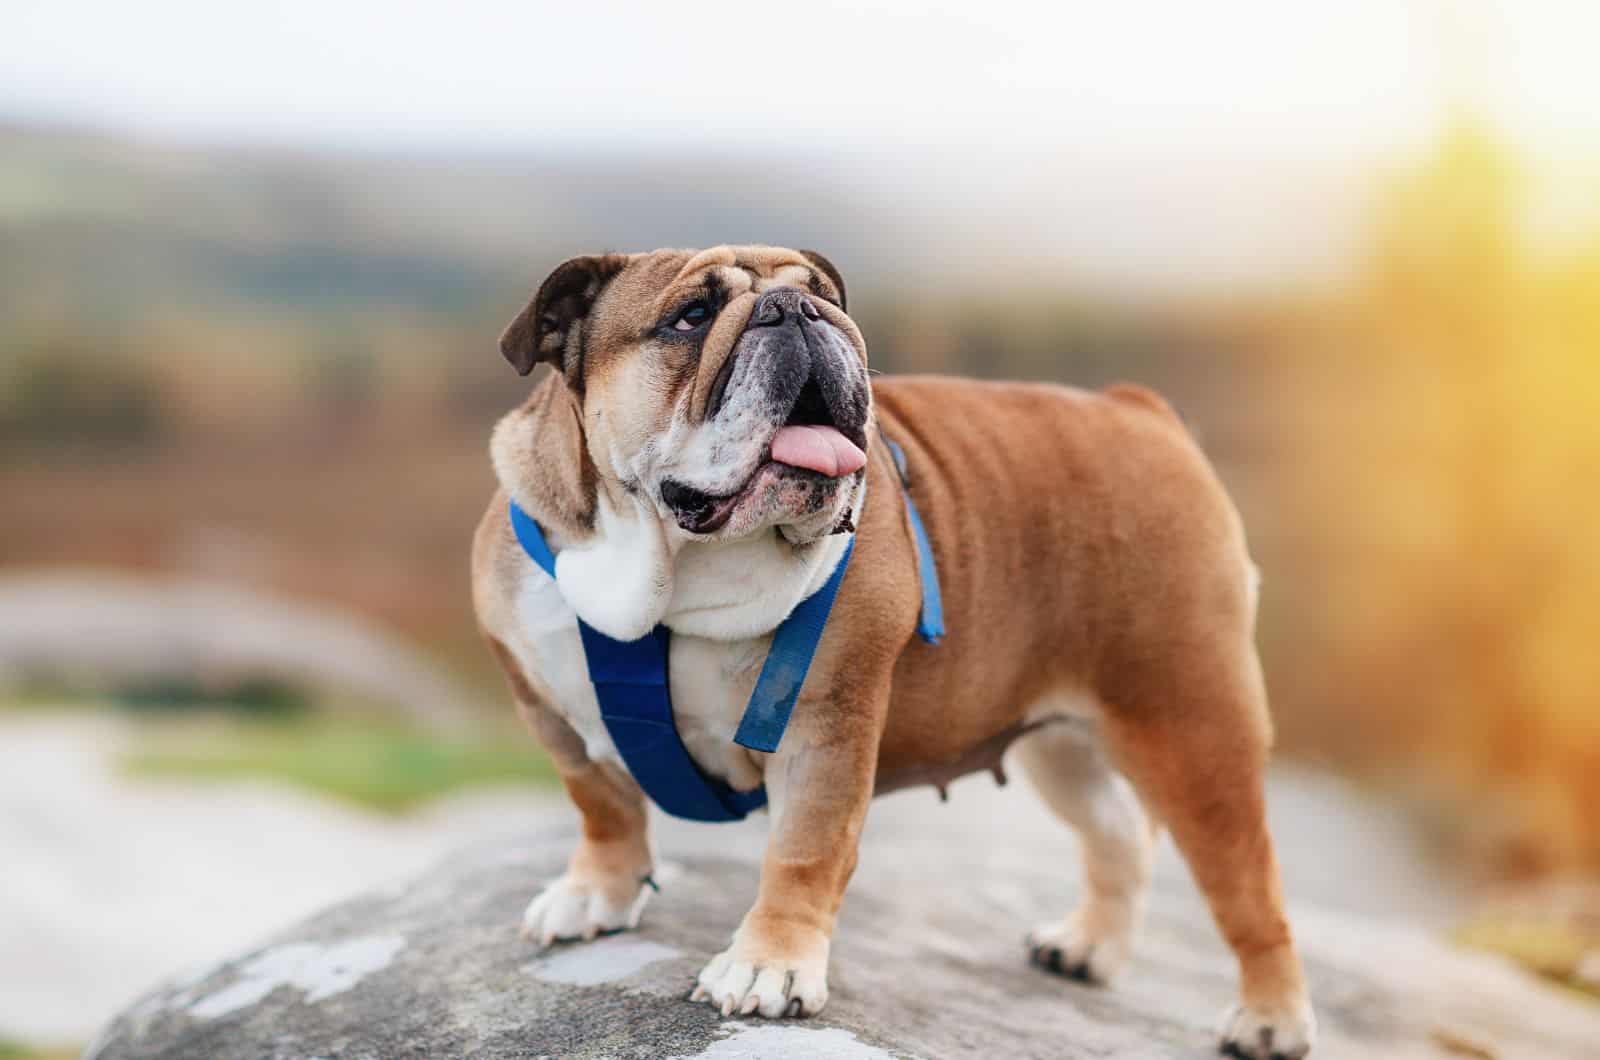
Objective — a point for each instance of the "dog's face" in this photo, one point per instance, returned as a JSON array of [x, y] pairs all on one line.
[[725, 387]]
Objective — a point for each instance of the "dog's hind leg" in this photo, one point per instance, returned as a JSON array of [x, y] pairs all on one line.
[[1191, 730], [1067, 766]]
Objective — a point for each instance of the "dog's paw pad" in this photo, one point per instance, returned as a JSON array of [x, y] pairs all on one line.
[[570, 909], [1067, 950], [1280, 1033], [773, 989]]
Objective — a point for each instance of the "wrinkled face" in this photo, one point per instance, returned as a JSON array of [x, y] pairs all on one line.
[[726, 387]]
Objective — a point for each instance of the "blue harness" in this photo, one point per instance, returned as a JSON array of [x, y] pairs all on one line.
[[630, 681]]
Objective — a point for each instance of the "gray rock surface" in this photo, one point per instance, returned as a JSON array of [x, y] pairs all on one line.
[[95, 629], [928, 963]]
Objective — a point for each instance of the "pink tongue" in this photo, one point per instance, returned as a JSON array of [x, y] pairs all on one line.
[[821, 449]]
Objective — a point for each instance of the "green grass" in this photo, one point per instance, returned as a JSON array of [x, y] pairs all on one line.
[[40, 701], [10, 1050], [263, 698], [373, 763]]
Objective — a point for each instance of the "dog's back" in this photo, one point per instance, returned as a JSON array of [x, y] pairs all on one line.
[[1082, 527]]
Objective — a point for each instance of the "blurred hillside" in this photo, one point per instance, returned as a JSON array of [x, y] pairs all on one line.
[[108, 226], [278, 369]]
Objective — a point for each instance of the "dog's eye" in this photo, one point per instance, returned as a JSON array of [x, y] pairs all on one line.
[[693, 316]]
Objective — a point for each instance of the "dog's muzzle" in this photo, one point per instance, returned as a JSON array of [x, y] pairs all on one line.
[[796, 388]]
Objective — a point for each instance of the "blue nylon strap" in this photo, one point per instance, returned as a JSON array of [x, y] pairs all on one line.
[[930, 624], [794, 643], [531, 538], [631, 684], [636, 705]]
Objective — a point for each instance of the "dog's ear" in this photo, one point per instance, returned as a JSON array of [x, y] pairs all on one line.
[[550, 329], [829, 271], [540, 458]]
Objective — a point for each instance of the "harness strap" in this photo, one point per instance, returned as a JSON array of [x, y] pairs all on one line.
[[794, 643], [631, 683], [930, 623]]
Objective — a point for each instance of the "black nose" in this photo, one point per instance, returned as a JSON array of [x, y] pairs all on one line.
[[780, 305]]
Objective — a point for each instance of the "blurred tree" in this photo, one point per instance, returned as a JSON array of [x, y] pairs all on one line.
[[1463, 602], [343, 379], [77, 393]]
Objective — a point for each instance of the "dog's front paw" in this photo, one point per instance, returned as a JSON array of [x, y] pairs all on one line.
[[1089, 945], [752, 978], [582, 908], [1285, 1032]]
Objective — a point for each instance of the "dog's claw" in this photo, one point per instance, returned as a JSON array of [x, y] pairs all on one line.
[[771, 991], [1055, 959], [581, 910], [1285, 1033]]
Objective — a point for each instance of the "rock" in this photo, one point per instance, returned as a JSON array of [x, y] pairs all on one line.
[[98, 630], [928, 962]]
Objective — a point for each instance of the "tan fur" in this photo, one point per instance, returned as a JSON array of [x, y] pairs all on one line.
[[1085, 549]]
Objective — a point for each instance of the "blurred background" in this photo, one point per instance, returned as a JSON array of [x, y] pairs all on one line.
[[253, 264]]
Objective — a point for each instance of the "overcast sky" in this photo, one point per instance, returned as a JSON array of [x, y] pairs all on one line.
[[1224, 76]]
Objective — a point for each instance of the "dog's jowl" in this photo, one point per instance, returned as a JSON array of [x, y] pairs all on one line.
[[710, 514]]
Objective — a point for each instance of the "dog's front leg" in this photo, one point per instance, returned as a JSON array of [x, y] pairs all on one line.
[[606, 883], [818, 786], [604, 887]]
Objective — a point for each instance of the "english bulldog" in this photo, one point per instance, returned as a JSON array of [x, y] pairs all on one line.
[[707, 443]]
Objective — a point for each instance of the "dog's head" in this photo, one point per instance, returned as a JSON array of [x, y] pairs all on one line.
[[725, 388]]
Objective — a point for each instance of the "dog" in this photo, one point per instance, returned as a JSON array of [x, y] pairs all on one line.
[[706, 451]]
